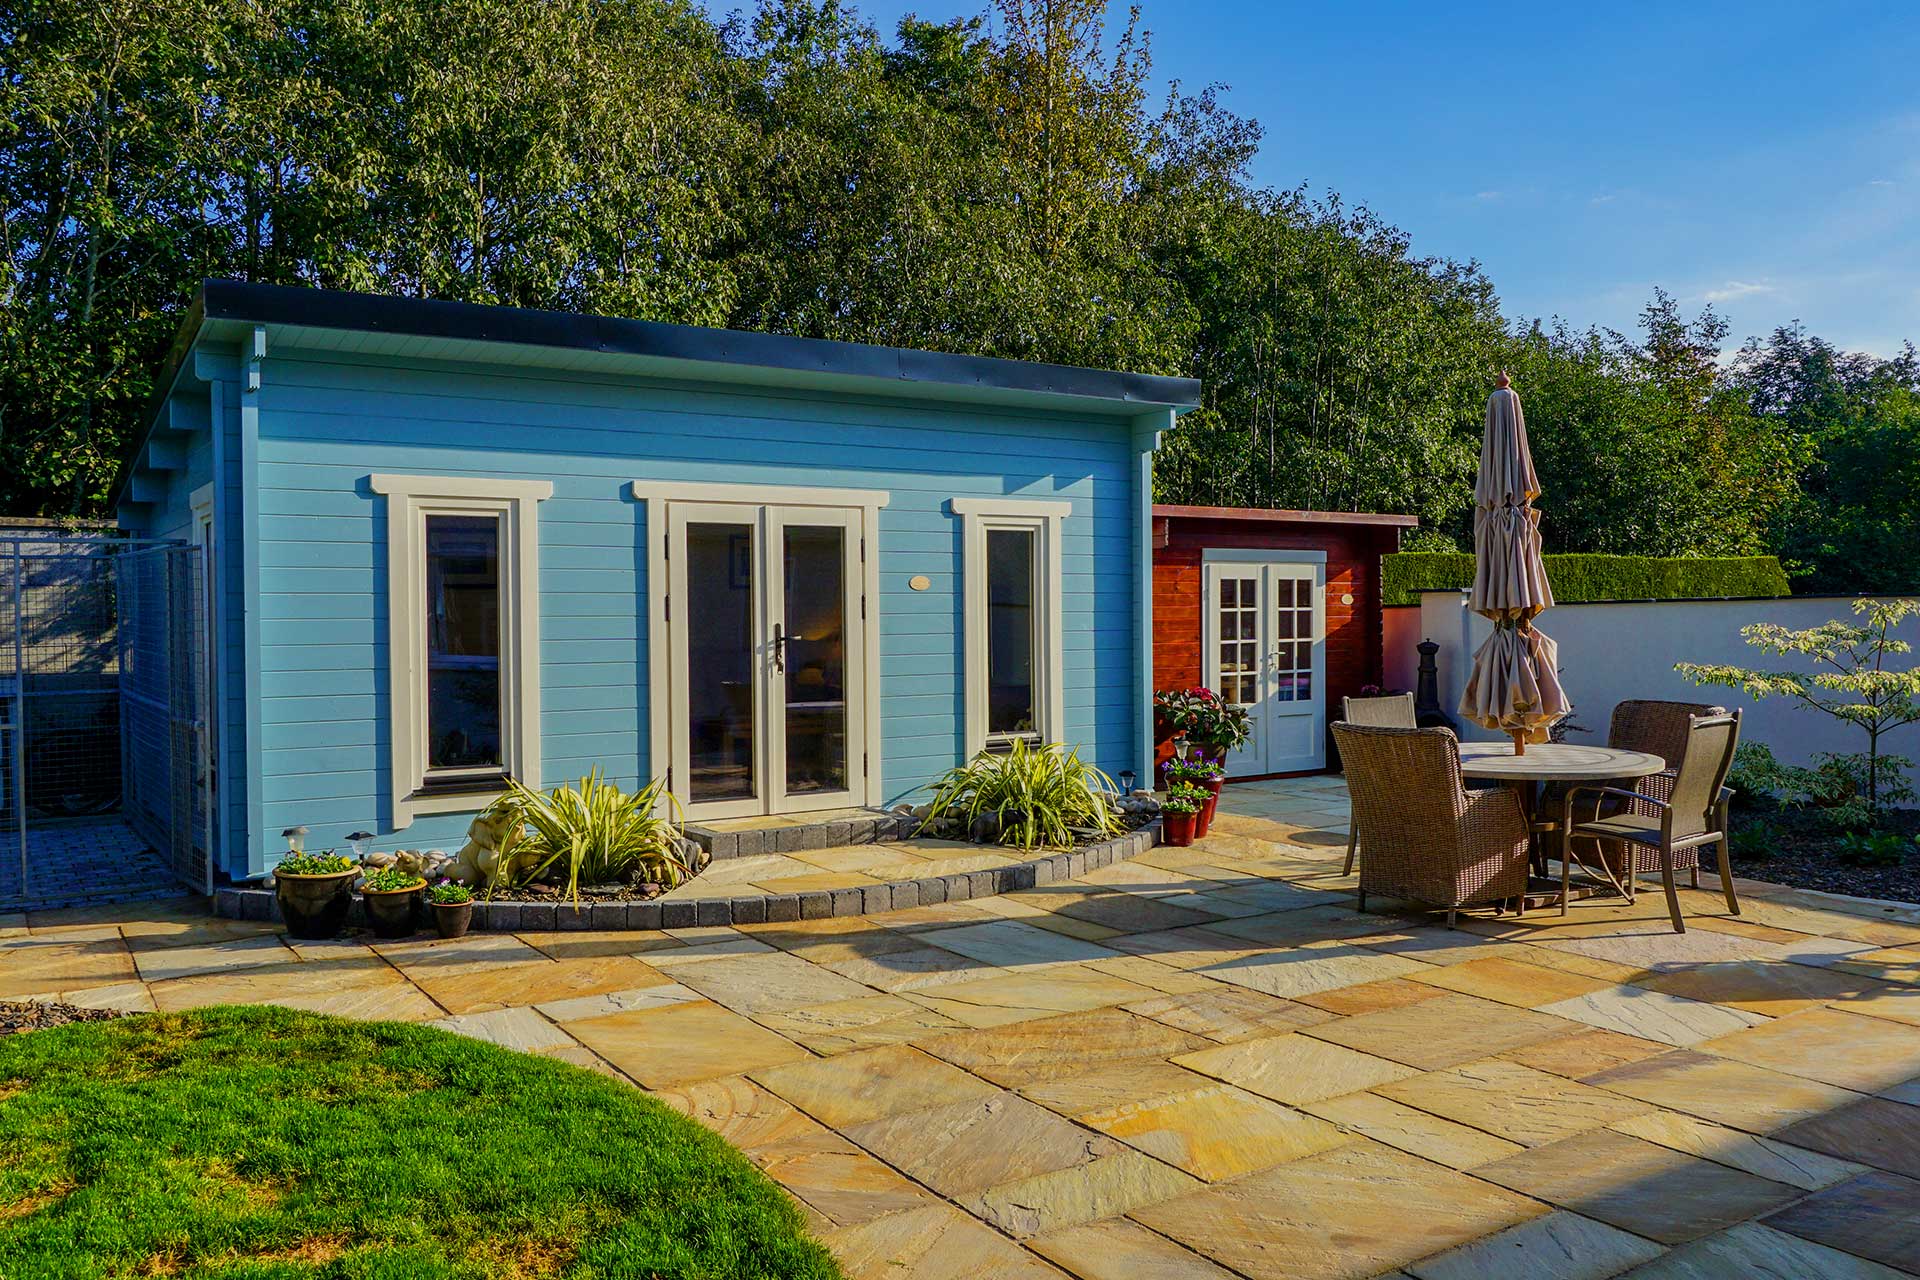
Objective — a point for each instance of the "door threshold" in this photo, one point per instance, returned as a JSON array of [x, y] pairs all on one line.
[[795, 832]]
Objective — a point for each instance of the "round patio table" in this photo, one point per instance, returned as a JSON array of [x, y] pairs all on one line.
[[1554, 762]]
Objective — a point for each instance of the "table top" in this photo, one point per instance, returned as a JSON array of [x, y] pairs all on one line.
[[1555, 762]]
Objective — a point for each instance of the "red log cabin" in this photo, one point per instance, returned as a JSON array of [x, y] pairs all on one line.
[[1276, 610]]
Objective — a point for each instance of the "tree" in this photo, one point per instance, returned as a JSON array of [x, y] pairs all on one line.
[[1850, 681]]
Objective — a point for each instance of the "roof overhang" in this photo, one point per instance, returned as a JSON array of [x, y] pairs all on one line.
[[1263, 515]]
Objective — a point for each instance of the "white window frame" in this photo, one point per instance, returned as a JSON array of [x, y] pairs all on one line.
[[410, 500], [1043, 518]]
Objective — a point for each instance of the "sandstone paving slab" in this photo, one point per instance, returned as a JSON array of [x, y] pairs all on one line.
[[1908, 1092], [1557, 1246], [1301, 926], [840, 1182], [1414, 1131], [1135, 913], [1303, 970], [1514, 1102], [520, 1028], [1053, 1048], [1652, 1015], [1797, 1166], [768, 982], [1744, 928], [1215, 1131], [1226, 1014], [1894, 1003], [1140, 878], [1764, 987], [1510, 981], [912, 967], [1657, 948], [1120, 1249], [599, 1005], [1293, 1068], [1371, 997], [1607, 971], [1108, 1185], [1753, 1251], [374, 991], [1141, 1081], [128, 997], [584, 944], [1875, 1216], [1650, 1190], [869, 1084], [1729, 1092], [1011, 944], [470, 955], [1348, 1213], [1829, 924], [1891, 964], [1586, 1053], [1195, 948], [812, 882], [936, 916], [973, 1146], [1443, 1032], [836, 938], [861, 1023], [740, 1111], [1151, 974], [540, 982], [934, 1242], [1026, 995], [1845, 1049], [1874, 1131], [158, 934], [681, 1044], [161, 963]]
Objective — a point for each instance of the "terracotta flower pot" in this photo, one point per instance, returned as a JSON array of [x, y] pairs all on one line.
[[1205, 817], [1177, 829], [452, 918], [394, 913], [314, 907]]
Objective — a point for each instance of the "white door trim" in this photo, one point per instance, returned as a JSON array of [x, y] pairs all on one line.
[[1264, 567], [660, 498]]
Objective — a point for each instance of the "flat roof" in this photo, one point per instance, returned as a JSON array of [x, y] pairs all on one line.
[[1277, 516]]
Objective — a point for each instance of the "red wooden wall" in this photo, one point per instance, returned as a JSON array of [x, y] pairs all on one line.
[[1354, 657]]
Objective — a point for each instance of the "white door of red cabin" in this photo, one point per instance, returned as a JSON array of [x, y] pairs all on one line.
[[1264, 647]]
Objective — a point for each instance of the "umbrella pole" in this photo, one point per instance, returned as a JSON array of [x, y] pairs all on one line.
[[1519, 741]]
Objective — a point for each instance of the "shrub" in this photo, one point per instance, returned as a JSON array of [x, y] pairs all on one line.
[[1583, 579], [326, 863], [388, 879], [1875, 849], [450, 893], [596, 831], [1038, 794], [1207, 720]]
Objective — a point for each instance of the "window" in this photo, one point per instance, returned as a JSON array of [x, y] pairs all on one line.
[[1012, 614], [463, 639]]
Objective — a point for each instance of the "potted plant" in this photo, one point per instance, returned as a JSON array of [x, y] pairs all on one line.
[[393, 901], [1179, 812], [1210, 724], [1202, 775], [452, 908], [313, 889]]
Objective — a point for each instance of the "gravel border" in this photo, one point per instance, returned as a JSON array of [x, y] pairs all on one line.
[[17, 1017], [247, 903]]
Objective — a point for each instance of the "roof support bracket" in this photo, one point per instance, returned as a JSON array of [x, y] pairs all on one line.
[[256, 354]]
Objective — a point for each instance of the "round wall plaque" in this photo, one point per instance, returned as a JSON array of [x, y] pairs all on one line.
[[919, 582], [1346, 597]]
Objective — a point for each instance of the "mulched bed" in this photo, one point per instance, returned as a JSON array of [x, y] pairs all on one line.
[[1806, 854], [17, 1016]]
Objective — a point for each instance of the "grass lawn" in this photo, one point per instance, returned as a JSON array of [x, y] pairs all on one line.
[[267, 1144]]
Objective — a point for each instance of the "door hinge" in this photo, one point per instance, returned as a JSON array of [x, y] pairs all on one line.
[[667, 553], [865, 766], [863, 548], [863, 606], [666, 608]]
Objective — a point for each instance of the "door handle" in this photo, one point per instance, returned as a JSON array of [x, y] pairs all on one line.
[[779, 649]]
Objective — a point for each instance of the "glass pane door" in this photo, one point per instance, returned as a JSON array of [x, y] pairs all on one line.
[[810, 657], [717, 616], [1236, 652]]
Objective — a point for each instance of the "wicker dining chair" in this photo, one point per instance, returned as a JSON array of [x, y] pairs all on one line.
[[1662, 831], [1388, 710], [1658, 728], [1427, 837]]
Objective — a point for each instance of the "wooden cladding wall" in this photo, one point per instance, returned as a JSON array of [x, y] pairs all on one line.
[[1354, 636]]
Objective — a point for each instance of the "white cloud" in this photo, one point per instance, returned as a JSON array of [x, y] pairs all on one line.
[[1881, 182], [1488, 195], [1734, 289]]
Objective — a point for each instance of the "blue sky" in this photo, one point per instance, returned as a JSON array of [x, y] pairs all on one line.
[[1764, 157]]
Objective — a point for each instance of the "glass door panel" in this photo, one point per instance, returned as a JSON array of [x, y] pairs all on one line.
[[1235, 650], [717, 617], [1295, 717], [810, 657]]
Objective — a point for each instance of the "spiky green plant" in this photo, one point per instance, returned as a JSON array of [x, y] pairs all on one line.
[[598, 832], [1038, 793]]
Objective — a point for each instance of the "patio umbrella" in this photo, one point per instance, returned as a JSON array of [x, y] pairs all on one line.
[[1514, 686]]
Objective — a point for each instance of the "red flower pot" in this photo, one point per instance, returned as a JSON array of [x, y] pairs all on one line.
[[1177, 829], [1205, 816]]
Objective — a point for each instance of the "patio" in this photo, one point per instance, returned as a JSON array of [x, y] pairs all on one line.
[[1201, 1063]]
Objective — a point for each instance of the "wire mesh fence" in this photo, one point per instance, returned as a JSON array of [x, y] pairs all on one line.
[[77, 694]]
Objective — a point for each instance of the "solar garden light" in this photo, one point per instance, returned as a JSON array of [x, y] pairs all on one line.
[[296, 839], [358, 842], [1126, 782]]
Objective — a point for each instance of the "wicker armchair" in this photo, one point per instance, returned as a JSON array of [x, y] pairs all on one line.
[[1658, 728], [1691, 816], [1427, 837], [1390, 711]]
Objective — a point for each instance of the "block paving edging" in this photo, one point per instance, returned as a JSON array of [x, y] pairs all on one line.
[[245, 903]]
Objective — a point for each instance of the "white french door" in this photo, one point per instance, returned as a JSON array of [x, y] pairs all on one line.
[[1264, 642], [768, 650]]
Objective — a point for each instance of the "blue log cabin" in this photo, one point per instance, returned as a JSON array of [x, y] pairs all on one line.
[[449, 543]]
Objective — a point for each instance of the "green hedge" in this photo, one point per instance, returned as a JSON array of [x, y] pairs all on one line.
[[1578, 579]]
